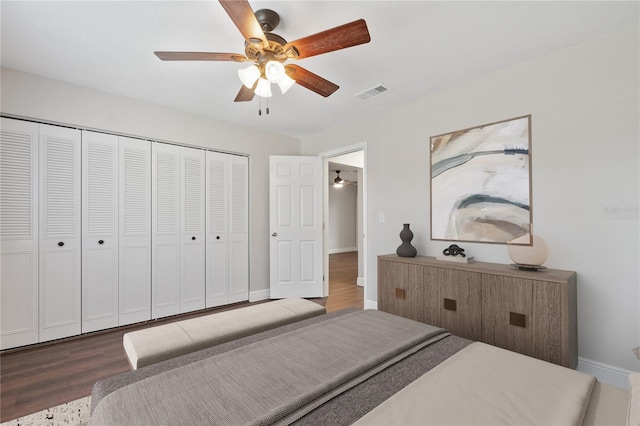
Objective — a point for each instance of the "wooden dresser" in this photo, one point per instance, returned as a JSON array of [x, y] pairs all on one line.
[[534, 313]]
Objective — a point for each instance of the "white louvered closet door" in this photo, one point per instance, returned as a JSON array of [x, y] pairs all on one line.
[[165, 211], [227, 229], [18, 233], [192, 250], [59, 190], [217, 213], [238, 229], [99, 231], [135, 231]]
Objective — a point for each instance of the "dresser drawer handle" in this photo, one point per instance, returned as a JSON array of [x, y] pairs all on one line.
[[519, 320], [400, 293], [450, 305]]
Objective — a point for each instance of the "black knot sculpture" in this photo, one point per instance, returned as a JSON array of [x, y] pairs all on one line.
[[454, 250]]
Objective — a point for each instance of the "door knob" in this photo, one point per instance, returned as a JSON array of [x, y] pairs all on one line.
[[193, 238], [275, 234], [101, 242], [217, 237], [60, 244]]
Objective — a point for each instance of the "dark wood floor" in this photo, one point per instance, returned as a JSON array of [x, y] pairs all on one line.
[[47, 375], [343, 275]]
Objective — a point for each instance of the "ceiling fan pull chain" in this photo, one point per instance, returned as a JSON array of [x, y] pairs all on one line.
[[267, 106], [259, 105]]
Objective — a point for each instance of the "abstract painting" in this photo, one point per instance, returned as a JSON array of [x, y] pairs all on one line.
[[481, 182]]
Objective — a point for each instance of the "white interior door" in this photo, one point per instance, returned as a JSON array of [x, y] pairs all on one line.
[[227, 228], [135, 231], [238, 228], [99, 231], [295, 217], [60, 239], [217, 264], [18, 233], [192, 268], [165, 190]]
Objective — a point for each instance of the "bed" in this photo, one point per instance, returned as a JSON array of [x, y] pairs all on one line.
[[363, 367]]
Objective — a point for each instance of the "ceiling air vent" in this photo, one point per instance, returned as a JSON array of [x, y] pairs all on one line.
[[373, 92]]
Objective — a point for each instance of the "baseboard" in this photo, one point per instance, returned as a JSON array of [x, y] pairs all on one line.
[[342, 250], [360, 281], [255, 296], [370, 304], [605, 373]]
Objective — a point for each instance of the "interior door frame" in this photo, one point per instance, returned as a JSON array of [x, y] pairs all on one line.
[[326, 158]]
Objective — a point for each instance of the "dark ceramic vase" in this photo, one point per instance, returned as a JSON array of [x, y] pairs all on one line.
[[406, 249]]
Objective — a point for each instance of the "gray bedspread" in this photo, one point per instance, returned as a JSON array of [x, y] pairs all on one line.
[[253, 391], [277, 380]]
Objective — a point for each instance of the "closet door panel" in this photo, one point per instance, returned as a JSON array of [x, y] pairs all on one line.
[[238, 271], [165, 262], [99, 291], [59, 190], [238, 229], [192, 285], [165, 289], [134, 231], [18, 233], [217, 291], [99, 231], [217, 263], [19, 299], [135, 284]]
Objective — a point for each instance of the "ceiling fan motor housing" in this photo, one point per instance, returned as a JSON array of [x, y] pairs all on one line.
[[268, 19], [274, 51]]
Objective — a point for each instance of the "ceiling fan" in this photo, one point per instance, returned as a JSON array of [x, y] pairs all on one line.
[[269, 51], [339, 182]]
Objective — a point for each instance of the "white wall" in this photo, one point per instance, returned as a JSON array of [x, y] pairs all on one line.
[[342, 219], [585, 124], [360, 226], [40, 98]]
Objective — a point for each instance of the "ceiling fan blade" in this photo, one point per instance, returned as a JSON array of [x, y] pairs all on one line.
[[311, 81], [242, 15], [245, 94], [347, 35], [200, 56]]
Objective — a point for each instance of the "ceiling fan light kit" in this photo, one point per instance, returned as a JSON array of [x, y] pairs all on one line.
[[249, 76], [263, 89], [269, 51], [286, 83], [338, 182], [274, 71]]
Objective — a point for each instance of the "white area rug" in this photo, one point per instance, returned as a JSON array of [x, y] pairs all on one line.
[[71, 413]]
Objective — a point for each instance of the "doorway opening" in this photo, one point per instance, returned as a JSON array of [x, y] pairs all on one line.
[[344, 233]]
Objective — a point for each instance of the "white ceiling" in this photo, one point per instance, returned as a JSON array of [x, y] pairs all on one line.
[[416, 48]]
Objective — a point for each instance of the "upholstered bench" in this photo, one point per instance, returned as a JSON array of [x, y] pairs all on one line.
[[155, 344]]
